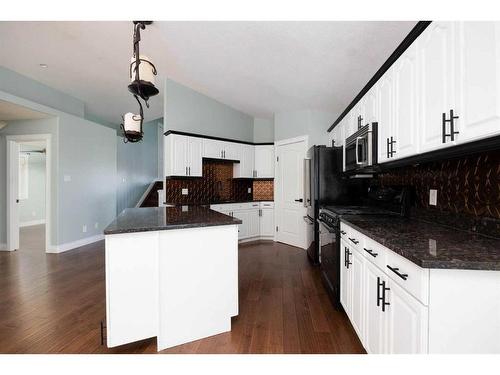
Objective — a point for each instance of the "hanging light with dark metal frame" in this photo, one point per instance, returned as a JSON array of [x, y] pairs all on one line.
[[142, 76]]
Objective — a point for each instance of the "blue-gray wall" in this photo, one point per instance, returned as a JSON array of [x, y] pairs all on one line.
[[137, 166], [305, 122], [263, 130], [33, 207], [189, 111]]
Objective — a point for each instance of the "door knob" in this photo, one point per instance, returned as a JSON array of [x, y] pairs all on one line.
[[299, 200]]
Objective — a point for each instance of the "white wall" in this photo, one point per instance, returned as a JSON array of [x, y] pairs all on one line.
[[190, 111], [263, 130], [32, 209], [305, 122]]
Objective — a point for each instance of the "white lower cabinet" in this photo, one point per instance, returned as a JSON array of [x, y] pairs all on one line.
[[374, 338], [257, 218]]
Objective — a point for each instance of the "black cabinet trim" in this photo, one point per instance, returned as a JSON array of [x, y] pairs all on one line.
[[218, 138], [410, 38]]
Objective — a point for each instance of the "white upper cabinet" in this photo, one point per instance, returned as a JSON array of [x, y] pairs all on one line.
[[478, 81], [371, 106], [212, 149], [264, 161], [404, 130], [437, 58], [245, 168], [385, 89], [183, 156], [337, 134], [231, 150]]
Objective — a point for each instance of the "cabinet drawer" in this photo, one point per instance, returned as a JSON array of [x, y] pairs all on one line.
[[266, 204], [352, 237], [375, 252], [412, 278]]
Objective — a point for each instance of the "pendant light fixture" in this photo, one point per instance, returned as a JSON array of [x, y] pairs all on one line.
[[142, 85]]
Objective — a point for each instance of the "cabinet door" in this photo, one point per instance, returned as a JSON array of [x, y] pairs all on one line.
[[407, 322], [405, 105], [385, 88], [478, 81], [264, 161], [195, 157], [371, 106], [212, 149], [374, 336], [231, 150], [344, 279], [178, 155], [356, 270], [243, 228], [436, 58], [253, 223], [337, 134], [267, 222]]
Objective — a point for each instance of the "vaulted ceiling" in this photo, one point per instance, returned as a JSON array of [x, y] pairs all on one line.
[[259, 68]]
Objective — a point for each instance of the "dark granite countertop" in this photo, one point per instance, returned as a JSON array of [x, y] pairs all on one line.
[[147, 219], [427, 244]]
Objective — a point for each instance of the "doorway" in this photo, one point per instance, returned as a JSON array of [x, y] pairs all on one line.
[[289, 186], [28, 192]]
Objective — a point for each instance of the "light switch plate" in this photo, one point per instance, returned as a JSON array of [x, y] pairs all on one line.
[[96, 225], [184, 191], [249, 190], [433, 197], [84, 229]]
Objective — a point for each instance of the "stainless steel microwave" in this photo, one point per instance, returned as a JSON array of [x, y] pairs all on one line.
[[361, 148]]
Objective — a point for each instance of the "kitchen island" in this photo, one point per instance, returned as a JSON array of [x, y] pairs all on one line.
[[171, 273]]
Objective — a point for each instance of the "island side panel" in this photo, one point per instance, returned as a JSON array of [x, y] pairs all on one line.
[[198, 283], [464, 311], [131, 287]]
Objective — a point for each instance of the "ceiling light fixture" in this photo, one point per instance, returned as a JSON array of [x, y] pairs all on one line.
[[142, 85]]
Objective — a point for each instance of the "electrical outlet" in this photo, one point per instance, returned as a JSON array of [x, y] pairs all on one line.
[[84, 229], [184, 191], [433, 197], [249, 190], [96, 225]]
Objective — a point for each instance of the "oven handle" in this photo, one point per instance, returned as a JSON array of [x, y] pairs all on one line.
[[327, 227], [308, 219]]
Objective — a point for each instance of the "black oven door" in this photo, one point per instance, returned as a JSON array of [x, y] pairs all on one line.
[[329, 241]]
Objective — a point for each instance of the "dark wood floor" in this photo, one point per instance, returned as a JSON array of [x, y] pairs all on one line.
[[53, 303]]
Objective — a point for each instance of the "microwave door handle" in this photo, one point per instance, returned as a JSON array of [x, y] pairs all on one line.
[[357, 145]]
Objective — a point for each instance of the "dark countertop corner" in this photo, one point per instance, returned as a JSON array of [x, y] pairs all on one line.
[[146, 219]]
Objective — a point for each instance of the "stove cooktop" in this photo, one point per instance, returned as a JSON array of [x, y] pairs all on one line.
[[357, 210]]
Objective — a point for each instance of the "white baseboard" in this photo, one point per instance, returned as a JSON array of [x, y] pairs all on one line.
[[32, 222], [75, 244]]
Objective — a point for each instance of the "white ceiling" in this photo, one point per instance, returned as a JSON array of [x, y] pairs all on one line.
[[259, 68], [11, 112]]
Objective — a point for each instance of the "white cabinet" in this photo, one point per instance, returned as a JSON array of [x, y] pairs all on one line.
[[215, 149], [478, 81], [385, 89], [338, 133], [345, 284], [266, 222], [183, 156], [245, 168], [437, 58], [254, 222], [407, 322], [371, 106], [243, 228], [264, 161], [356, 291], [374, 337]]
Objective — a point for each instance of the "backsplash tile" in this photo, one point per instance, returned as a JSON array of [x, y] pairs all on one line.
[[263, 190], [467, 186], [216, 185]]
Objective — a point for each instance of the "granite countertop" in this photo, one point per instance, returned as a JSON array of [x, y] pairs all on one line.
[[147, 219], [429, 245]]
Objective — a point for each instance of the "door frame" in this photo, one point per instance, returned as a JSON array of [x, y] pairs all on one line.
[[283, 142], [13, 225]]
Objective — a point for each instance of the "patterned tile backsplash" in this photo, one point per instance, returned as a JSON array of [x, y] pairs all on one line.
[[469, 185], [216, 185]]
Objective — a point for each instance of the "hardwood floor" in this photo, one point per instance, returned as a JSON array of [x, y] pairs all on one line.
[[53, 303]]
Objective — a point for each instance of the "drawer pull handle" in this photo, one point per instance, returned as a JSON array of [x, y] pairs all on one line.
[[342, 232], [353, 240], [404, 276], [370, 252]]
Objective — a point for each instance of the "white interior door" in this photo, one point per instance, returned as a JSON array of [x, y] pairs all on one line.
[[12, 196], [289, 199]]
